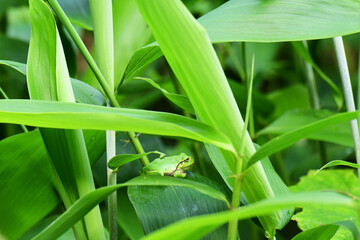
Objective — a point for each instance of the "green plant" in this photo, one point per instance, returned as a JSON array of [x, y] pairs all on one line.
[[66, 152]]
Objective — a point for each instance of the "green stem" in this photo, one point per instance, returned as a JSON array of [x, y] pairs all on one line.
[[24, 128], [239, 174], [349, 98], [101, 13], [247, 84], [235, 200], [311, 82], [315, 100], [108, 91]]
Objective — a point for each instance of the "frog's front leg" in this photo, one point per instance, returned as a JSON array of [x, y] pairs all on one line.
[[154, 172], [179, 174]]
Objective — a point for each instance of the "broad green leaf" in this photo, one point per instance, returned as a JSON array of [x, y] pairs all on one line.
[[168, 204], [339, 163], [196, 66], [269, 21], [121, 159], [86, 203], [78, 12], [83, 92], [178, 99], [278, 21], [320, 233], [343, 181], [81, 116], [127, 218], [48, 79], [26, 185], [141, 58], [293, 119], [305, 54], [283, 141], [27, 181], [197, 227]]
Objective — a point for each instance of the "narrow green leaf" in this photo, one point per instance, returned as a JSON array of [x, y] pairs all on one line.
[[304, 53], [86, 203], [82, 116], [351, 226], [48, 79], [320, 233], [339, 163], [83, 92], [285, 21], [196, 66], [141, 58], [294, 119], [197, 227], [178, 99], [287, 139], [120, 160]]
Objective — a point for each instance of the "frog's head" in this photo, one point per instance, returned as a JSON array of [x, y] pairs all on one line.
[[185, 163]]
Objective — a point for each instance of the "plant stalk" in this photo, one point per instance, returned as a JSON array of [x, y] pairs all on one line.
[[348, 94], [247, 85], [315, 100], [111, 180], [239, 174], [235, 200], [99, 76], [101, 13]]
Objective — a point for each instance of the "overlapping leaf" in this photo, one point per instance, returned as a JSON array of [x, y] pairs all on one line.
[[82, 116]]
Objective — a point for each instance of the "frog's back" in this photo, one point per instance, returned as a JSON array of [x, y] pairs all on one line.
[[167, 164]]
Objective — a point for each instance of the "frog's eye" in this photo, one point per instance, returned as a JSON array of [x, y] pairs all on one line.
[[186, 159]]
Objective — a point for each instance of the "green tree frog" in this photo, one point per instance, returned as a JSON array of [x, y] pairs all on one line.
[[174, 166]]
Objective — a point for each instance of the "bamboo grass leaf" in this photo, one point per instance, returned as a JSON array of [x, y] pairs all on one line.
[[120, 160], [165, 205], [76, 116], [321, 233], [205, 224], [192, 58], [178, 99], [48, 79], [338, 163], [283, 141], [86, 203], [199, 226], [26, 182], [268, 21]]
